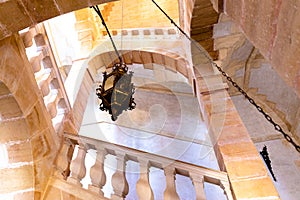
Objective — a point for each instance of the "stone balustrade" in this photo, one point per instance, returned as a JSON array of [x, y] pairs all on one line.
[[73, 171], [46, 73]]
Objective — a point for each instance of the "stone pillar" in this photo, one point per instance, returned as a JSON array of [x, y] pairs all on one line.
[[198, 182], [97, 174], [170, 191], [143, 187], [233, 146], [119, 181]]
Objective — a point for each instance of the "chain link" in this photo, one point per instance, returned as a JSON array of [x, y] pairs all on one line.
[[260, 109], [229, 79]]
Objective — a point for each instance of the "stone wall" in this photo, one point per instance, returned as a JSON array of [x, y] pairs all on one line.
[[273, 27], [251, 71], [26, 128], [143, 13], [28, 13]]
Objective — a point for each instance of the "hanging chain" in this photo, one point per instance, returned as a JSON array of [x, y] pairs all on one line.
[[234, 84], [97, 10], [260, 109]]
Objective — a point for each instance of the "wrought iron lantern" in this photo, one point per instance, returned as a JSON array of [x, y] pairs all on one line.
[[116, 90]]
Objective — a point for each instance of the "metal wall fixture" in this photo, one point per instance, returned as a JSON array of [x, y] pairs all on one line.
[[265, 155]]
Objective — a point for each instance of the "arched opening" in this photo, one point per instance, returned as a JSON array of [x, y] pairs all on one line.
[[17, 170]]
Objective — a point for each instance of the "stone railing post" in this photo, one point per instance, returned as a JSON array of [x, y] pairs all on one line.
[[119, 181], [170, 191], [78, 169], [143, 187], [63, 160], [198, 182], [97, 174]]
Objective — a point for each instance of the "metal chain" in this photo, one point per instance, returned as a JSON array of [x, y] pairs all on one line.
[[229, 79], [260, 109], [97, 10]]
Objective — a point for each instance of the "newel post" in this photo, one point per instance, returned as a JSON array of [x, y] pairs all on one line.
[[63, 160]]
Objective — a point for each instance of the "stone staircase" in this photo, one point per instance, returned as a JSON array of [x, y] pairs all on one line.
[[229, 41], [106, 10]]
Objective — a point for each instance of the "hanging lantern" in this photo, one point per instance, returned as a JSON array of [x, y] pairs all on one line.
[[116, 91]]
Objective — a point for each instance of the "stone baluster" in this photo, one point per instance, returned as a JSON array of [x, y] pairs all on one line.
[[27, 38], [67, 172], [225, 185], [119, 181], [198, 182], [143, 187], [39, 40], [97, 174], [78, 169], [62, 160], [170, 191]]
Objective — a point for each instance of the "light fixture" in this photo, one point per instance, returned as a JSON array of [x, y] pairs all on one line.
[[265, 155], [116, 90]]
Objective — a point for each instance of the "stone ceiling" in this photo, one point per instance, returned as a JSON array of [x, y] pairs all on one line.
[[23, 14], [203, 19]]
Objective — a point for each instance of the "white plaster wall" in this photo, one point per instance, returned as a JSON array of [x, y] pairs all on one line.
[[270, 84]]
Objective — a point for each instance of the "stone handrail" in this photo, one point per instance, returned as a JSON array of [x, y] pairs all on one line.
[[73, 171]]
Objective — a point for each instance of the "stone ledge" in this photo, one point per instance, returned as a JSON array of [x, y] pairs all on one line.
[[259, 188], [73, 189], [210, 84], [246, 169]]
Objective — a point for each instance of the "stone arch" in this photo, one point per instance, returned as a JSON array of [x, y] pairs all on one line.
[[170, 60], [25, 126]]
